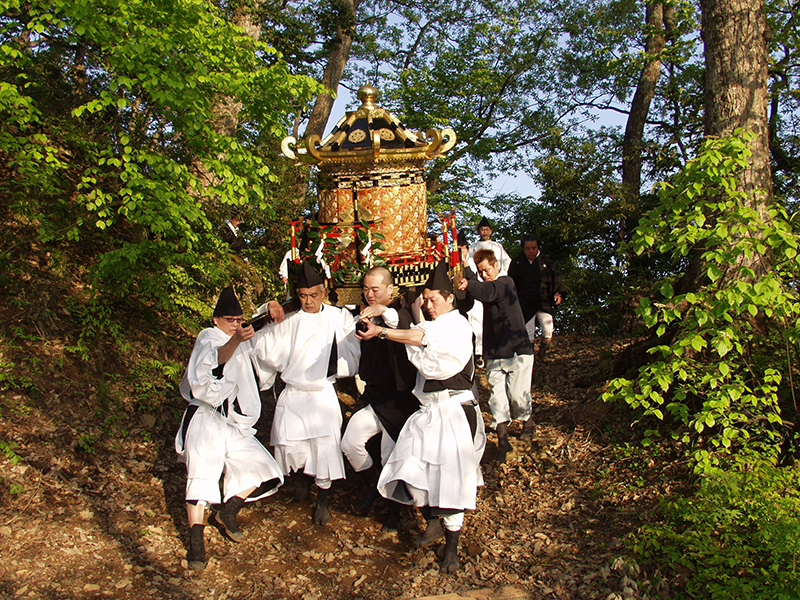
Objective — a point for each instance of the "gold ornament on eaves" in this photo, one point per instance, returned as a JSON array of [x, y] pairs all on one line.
[[369, 134]]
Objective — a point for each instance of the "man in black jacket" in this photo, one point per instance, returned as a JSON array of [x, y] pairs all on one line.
[[539, 287], [506, 349], [388, 398], [230, 234]]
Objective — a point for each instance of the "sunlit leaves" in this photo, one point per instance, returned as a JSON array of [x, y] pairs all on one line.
[[111, 124], [717, 358], [485, 68]]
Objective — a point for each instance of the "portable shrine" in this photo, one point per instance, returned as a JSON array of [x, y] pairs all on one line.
[[373, 200]]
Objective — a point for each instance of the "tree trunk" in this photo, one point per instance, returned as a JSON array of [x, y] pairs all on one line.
[[783, 161], [337, 60], [226, 109], [735, 38], [79, 70], [658, 22], [632, 145]]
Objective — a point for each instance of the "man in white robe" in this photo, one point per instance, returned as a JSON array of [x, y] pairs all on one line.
[[435, 464], [308, 349], [216, 437]]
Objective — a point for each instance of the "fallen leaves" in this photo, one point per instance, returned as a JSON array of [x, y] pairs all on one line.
[[549, 521]]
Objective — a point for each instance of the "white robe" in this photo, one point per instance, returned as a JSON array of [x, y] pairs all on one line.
[[436, 455], [212, 444], [306, 430]]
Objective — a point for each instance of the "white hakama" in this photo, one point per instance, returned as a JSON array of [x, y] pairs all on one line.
[[436, 458]]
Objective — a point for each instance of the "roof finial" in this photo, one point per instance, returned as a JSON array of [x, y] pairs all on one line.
[[368, 93]]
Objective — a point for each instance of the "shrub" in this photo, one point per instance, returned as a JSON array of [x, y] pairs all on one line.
[[737, 537]]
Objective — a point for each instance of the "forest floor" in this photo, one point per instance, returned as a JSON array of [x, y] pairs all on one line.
[[85, 516]]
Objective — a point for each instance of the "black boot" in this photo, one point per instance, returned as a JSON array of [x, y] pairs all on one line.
[[433, 529], [196, 556], [503, 445], [528, 429], [542, 356], [321, 514], [450, 562], [302, 489], [225, 518], [392, 520], [370, 479]]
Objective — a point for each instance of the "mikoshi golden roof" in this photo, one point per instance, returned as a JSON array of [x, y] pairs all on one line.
[[369, 134]]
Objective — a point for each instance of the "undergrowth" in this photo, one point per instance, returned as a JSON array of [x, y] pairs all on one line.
[[719, 383], [737, 537]]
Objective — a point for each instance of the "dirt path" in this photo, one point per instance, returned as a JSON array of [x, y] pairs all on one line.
[[111, 523]]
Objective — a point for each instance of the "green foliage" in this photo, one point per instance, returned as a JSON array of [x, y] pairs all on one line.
[[716, 372], [113, 145], [483, 68], [7, 448], [580, 217], [16, 489], [12, 377], [86, 442], [153, 380], [784, 46], [737, 537]]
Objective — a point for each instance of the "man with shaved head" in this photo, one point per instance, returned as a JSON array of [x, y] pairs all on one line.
[[435, 464], [388, 399]]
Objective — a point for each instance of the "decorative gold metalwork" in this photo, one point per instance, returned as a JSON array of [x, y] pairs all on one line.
[[369, 133], [356, 135], [371, 168]]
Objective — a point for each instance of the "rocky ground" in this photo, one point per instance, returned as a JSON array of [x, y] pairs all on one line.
[[86, 517]]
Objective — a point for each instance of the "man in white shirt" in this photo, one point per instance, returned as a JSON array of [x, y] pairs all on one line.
[[485, 242]]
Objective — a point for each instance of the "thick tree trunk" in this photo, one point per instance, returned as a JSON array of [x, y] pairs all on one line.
[[337, 60], [633, 145], [734, 35], [226, 108]]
